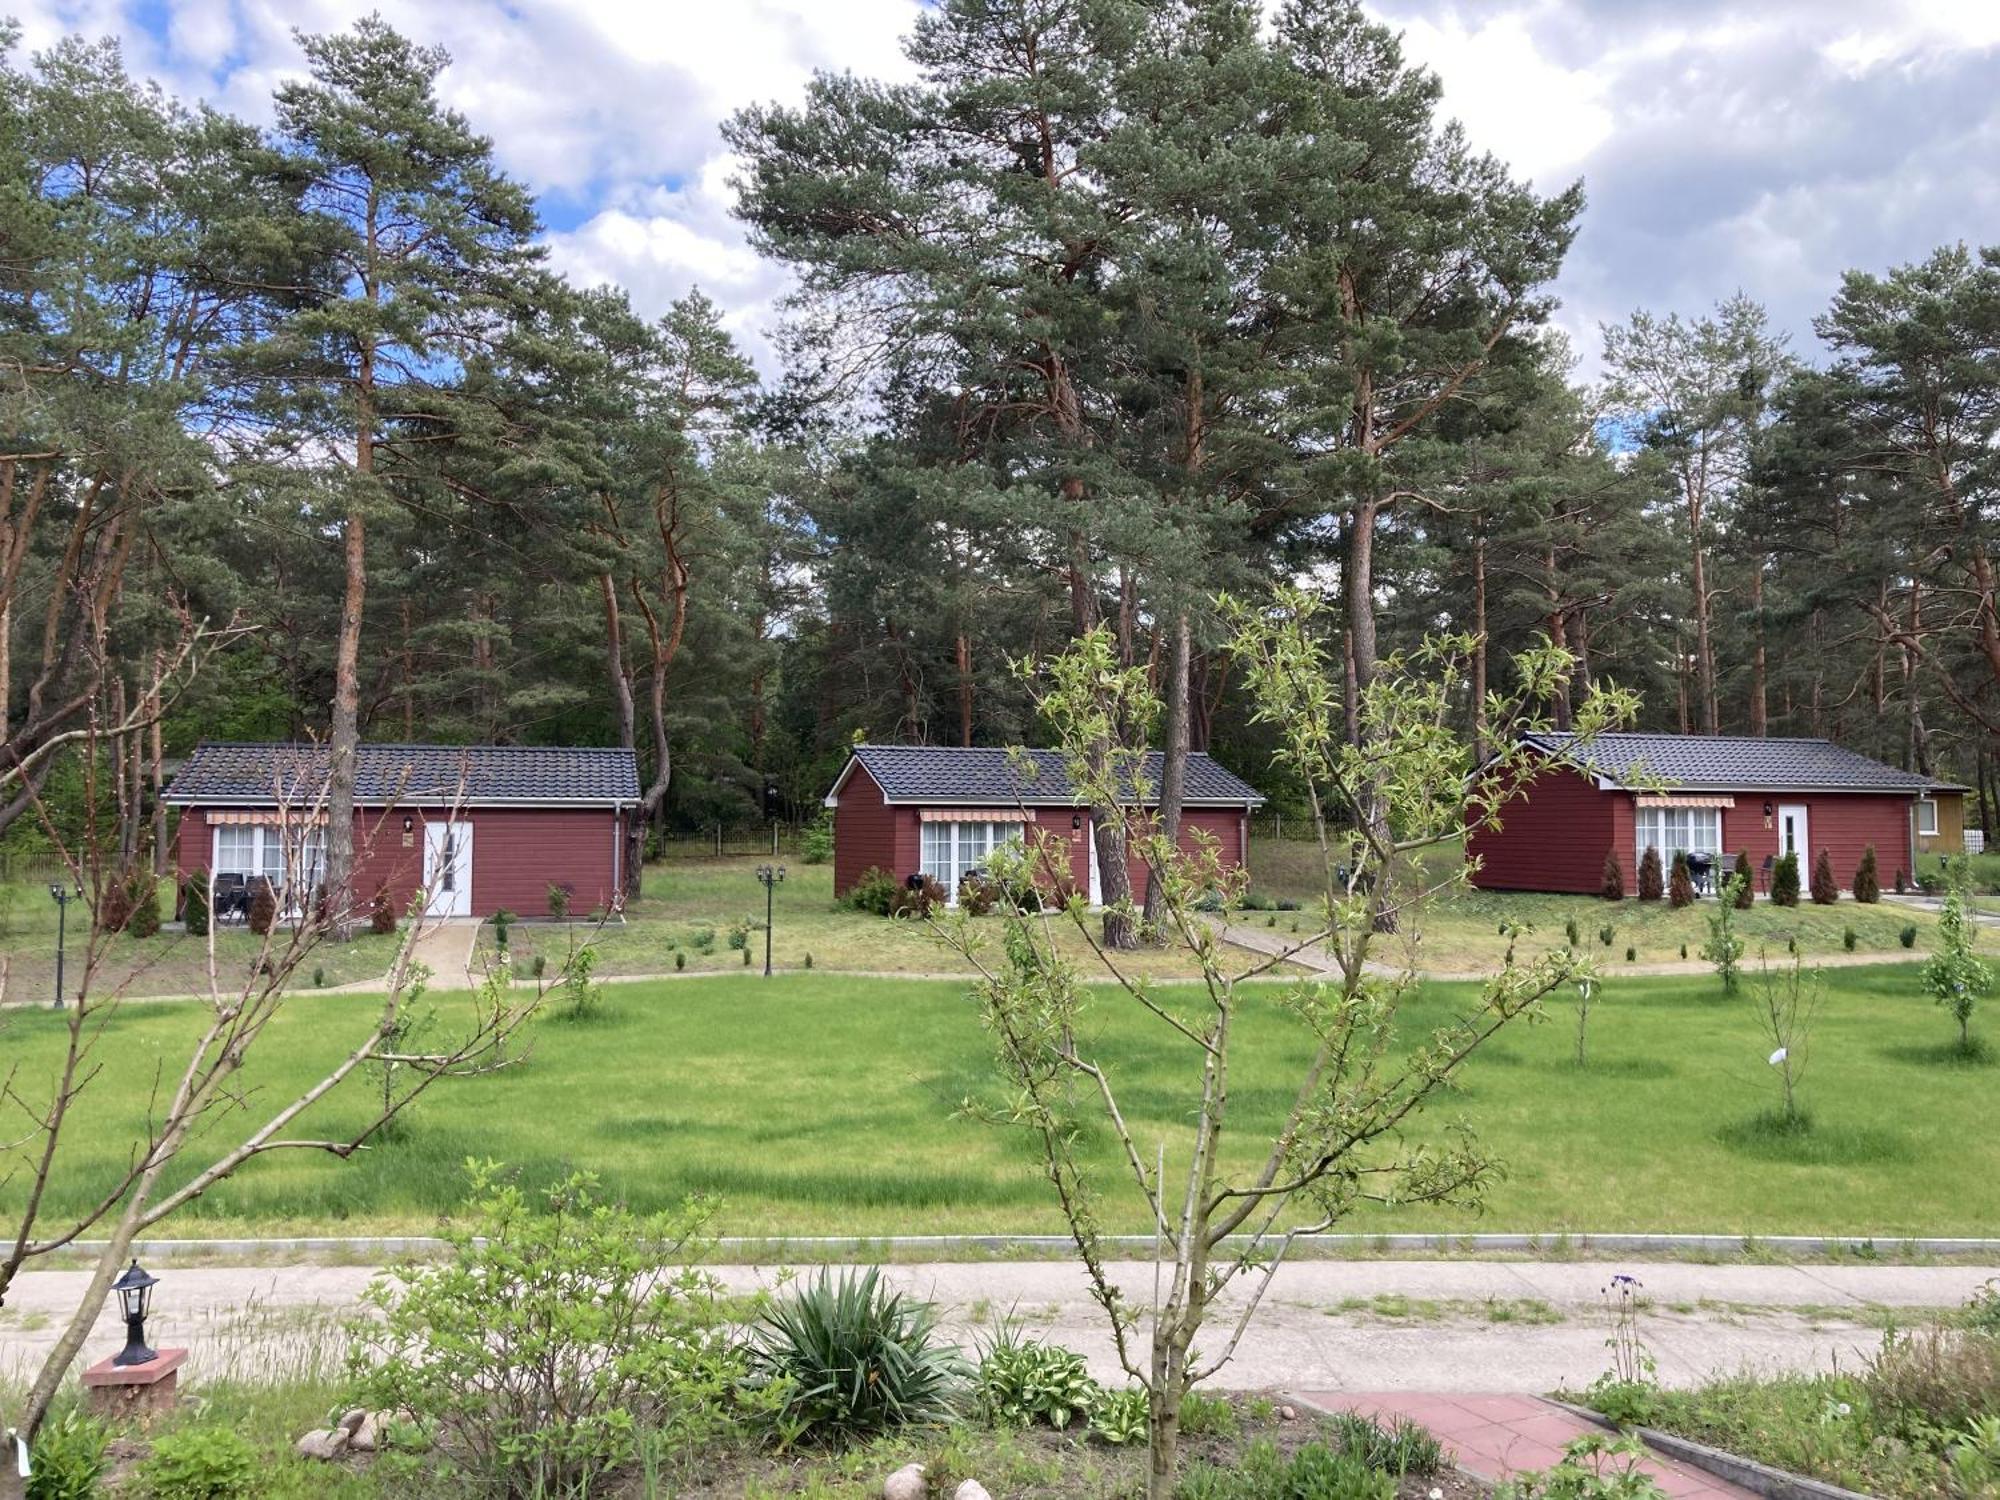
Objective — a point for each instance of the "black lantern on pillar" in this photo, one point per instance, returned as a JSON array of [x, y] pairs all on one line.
[[135, 1300], [772, 876]]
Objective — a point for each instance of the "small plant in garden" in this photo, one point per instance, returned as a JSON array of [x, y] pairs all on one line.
[[1631, 954], [1680, 884], [1724, 947], [746, 957], [1606, 933], [1785, 881], [1613, 886], [1652, 883], [1684, 950], [1031, 1382], [875, 891], [381, 913], [551, 1326], [844, 1358], [1401, 1447], [69, 1458], [539, 965], [739, 936], [809, 960], [1586, 989], [1825, 891], [201, 1463], [1624, 1393], [558, 898], [816, 844], [1572, 934], [702, 939], [1120, 1417], [577, 996], [194, 904], [1848, 939], [144, 899], [319, 977], [1867, 883], [1747, 891], [1902, 881], [918, 898], [1954, 976], [263, 907], [1596, 1467], [503, 927], [1787, 1006], [1908, 935], [680, 959]]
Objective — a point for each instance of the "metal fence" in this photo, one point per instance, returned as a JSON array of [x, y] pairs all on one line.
[[771, 841], [37, 868]]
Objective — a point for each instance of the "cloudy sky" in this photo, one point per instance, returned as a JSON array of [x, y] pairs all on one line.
[[1761, 145]]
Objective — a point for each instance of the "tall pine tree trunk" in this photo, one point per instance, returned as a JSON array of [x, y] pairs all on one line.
[[962, 650], [1759, 712], [1479, 649], [1173, 767], [1704, 643]]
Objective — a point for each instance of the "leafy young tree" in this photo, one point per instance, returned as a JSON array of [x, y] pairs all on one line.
[[1955, 976], [1238, 1206], [411, 241]]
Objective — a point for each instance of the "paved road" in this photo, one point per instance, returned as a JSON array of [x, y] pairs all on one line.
[[1443, 1326]]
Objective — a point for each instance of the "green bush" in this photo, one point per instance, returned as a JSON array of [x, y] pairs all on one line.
[[201, 1463], [1867, 879], [553, 1334], [1596, 1467], [702, 940], [1121, 1417], [263, 906], [1785, 881], [578, 997], [1631, 955], [1652, 884], [1571, 933], [680, 959], [1315, 1472], [558, 898], [145, 901], [69, 1458], [918, 900], [874, 892], [816, 847], [1908, 936], [1401, 1447], [1848, 939], [1613, 888], [1935, 1377], [1322, 1473], [382, 913], [739, 937], [1746, 893], [1031, 1382], [503, 926], [1824, 890], [979, 893], [1680, 883], [1606, 934], [848, 1358], [194, 904]]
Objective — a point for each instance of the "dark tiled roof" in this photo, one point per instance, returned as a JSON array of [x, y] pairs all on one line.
[[1729, 762], [951, 773], [524, 774]]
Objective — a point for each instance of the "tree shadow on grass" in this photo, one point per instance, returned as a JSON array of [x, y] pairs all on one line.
[[1806, 1143], [1946, 1054], [1618, 1067]]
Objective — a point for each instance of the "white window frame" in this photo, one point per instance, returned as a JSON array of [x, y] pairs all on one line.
[[1927, 804], [1673, 830], [269, 858], [949, 851]]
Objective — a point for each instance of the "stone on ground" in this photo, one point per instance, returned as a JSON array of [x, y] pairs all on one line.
[[326, 1445], [907, 1483]]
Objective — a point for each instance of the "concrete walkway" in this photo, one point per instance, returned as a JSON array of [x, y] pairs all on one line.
[[1327, 1326], [445, 947], [1496, 1436]]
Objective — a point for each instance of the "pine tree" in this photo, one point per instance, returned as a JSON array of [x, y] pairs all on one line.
[[1825, 890], [1785, 881], [1867, 880], [1746, 881], [1613, 888], [1680, 884], [1651, 881]]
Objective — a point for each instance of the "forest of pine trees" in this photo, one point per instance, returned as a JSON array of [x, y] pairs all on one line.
[[1117, 306]]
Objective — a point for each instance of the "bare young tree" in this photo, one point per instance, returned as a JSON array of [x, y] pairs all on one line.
[[203, 1124], [1239, 1206]]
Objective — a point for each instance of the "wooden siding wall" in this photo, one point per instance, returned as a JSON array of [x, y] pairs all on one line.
[[1553, 838], [1841, 823], [517, 854], [1950, 835]]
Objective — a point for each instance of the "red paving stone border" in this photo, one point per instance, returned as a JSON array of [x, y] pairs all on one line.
[[1495, 1436]]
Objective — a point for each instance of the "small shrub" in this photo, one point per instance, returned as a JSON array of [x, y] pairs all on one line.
[[1724, 947], [1572, 933], [1606, 934], [746, 957], [1613, 887], [739, 937], [979, 893], [539, 965], [1591, 1467], [503, 927], [1203, 1415], [578, 997], [847, 1358], [816, 847], [319, 977], [1936, 1376], [1824, 891], [1908, 936], [1902, 881], [1322, 1473], [1848, 939], [201, 1463], [1652, 884], [1684, 951], [194, 904], [529, 1349], [809, 960], [918, 899], [875, 891], [1631, 955], [1401, 1447], [1680, 884], [1121, 1417], [1953, 976], [114, 906], [1746, 893], [1031, 1382], [144, 899], [680, 959], [702, 940], [263, 907], [559, 901], [1785, 881], [1867, 882], [69, 1458], [382, 913]]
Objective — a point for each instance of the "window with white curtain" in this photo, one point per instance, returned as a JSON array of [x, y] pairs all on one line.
[[1679, 830], [292, 859], [951, 851], [1927, 817]]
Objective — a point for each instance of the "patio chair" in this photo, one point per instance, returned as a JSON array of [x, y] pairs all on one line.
[[1764, 872], [229, 898], [1701, 870]]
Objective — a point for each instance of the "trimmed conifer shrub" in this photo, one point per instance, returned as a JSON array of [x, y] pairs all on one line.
[[1824, 891], [263, 907], [1746, 881], [114, 906], [1680, 884], [1867, 880], [144, 894], [1652, 885], [1614, 877], [194, 904], [382, 915], [1785, 881]]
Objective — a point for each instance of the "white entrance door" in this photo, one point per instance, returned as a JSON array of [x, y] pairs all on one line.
[[1096, 882], [448, 869], [1792, 838]]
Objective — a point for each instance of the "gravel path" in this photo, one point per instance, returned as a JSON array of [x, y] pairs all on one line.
[[1442, 1326]]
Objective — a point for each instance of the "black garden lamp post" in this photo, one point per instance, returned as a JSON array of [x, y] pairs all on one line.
[[772, 876], [62, 895], [135, 1299]]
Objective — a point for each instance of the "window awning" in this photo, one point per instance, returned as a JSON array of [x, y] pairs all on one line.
[[974, 815], [1664, 801], [233, 818]]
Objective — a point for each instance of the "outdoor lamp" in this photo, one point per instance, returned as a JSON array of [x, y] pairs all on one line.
[[1076, 822], [62, 895], [1767, 809], [135, 1299], [772, 876]]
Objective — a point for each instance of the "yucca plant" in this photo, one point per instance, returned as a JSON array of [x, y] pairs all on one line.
[[847, 1358]]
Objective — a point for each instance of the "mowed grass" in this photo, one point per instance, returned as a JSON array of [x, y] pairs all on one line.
[[814, 1104], [1460, 931]]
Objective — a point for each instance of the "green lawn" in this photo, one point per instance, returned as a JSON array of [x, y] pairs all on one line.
[[817, 1104]]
